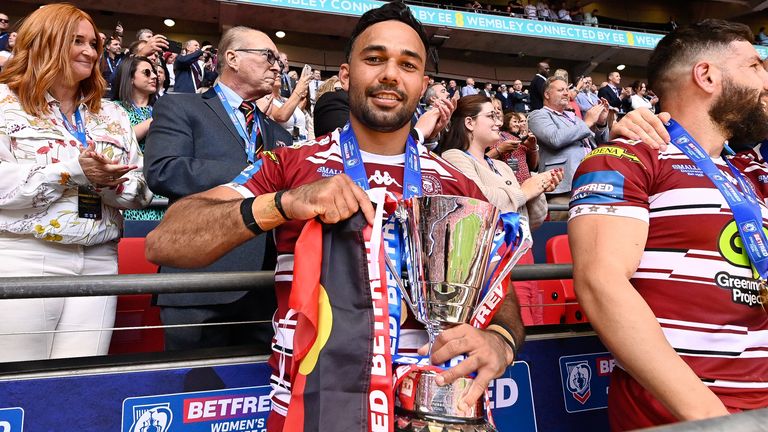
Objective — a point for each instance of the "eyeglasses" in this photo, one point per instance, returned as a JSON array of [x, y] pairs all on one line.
[[493, 115], [271, 57], [148, 72], [4, 21]]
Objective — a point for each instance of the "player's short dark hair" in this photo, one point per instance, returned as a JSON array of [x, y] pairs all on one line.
[[686, 45], [392, 11]]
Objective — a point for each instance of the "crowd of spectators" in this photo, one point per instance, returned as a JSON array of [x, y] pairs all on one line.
[[85, 141], [305, 105]]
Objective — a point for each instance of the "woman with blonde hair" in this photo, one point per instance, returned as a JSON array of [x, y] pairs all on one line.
[[331, 84], [69, 162]]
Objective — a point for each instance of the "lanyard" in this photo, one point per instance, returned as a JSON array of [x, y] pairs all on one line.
[[488, 160], [112, 67], [250, 143], [744, 204], [79, 131], [355, 168]]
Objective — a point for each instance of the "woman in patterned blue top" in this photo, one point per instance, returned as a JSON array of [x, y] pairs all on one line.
[[135, 89]]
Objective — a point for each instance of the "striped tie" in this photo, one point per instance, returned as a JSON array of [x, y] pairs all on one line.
[[248, 108]]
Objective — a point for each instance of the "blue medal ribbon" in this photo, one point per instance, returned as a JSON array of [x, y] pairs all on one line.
[[355, 168], [744, 204], [510, 238], [250, 142], [79, 130]]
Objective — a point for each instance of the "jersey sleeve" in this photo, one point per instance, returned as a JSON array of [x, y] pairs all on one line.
[[613, 180], [266, 175]]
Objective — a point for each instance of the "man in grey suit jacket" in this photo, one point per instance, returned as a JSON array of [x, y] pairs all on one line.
[[192, 146], [564, 138]]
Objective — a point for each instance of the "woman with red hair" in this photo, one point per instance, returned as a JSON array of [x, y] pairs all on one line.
[[68, 164]]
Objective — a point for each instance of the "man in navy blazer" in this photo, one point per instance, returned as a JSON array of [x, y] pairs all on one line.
[[192, 146], [188, 72]]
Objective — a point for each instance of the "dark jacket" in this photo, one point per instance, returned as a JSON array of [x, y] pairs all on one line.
[[192, 146]]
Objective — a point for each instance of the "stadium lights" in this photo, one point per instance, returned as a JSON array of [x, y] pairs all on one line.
[[280, 34], [620, 67], [169, 22]]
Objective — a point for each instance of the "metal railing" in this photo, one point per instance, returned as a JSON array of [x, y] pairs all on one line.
[[79, 286]]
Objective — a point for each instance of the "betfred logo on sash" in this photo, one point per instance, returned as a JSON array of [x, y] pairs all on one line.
[[229, 410], [585, 380], [11, 419]]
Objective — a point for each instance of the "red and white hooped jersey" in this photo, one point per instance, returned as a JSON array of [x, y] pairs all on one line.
[[693, 272], [291, 167]]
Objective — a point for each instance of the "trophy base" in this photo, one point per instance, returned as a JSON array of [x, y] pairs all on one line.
[[406, 421], [425, 406]]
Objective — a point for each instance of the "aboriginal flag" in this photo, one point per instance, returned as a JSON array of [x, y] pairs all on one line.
[[332, 343]]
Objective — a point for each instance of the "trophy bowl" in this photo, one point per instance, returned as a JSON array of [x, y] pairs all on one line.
[[449, 248]]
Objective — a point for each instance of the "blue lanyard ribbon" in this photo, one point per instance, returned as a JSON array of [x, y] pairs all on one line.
[[111, 66], [250, 142], [355, 169], [744, 204], [79, 130]]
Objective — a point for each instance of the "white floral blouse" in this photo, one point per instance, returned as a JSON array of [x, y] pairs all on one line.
[[40, 173]]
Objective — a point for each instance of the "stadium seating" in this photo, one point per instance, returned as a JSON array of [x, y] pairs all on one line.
[[135, 310], [559, 252]]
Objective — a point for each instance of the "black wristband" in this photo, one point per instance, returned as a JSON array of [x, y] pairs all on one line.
[[506, 334], [246, 211], [279, 204]]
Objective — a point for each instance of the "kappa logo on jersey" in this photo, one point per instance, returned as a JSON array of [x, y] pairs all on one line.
[[616, 152], [383, 179], [579, 380], [744, 290], [431, 185], [157, 417], [599, 187]]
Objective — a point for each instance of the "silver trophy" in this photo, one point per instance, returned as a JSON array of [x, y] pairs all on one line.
[[448, 244]]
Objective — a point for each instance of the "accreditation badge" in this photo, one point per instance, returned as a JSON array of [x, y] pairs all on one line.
[[88, 203]]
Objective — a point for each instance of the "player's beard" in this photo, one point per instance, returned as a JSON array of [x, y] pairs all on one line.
[[376, 119], [741, 113]]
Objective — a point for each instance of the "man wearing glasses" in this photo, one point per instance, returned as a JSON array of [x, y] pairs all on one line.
[[564, 138], [4, 24], [198, 141]]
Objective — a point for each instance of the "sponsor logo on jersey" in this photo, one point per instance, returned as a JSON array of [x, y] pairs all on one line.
[[328, 172], [744, 290], [271, 156], [383, 179], [614, 151], [598, 187], [688, 169]]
